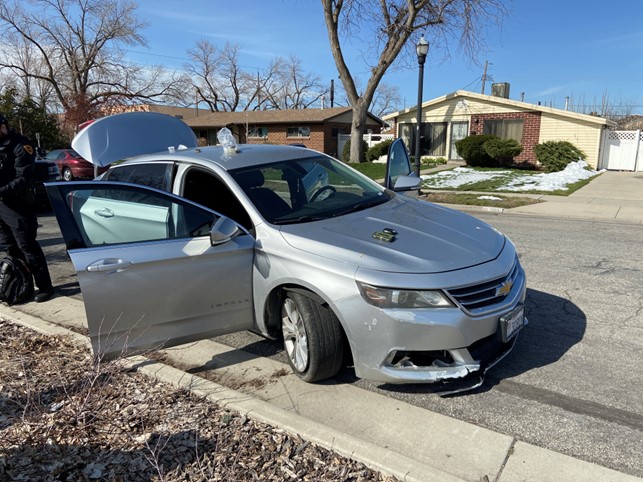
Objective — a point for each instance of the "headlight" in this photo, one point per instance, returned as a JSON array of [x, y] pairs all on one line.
[[394, 298]]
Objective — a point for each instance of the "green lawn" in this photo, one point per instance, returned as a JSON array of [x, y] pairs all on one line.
[[377, 170], [470, 199]]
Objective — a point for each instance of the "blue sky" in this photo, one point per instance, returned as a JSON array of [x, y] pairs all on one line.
[[547, 49]]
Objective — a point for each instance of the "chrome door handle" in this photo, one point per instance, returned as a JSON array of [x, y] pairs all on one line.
[[104, 265], [104, 213]]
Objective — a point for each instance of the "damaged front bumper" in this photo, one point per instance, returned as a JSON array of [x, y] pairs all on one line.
[[465, 371], [416, 353]]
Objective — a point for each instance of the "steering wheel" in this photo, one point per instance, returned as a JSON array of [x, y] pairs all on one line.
[[317, 193]]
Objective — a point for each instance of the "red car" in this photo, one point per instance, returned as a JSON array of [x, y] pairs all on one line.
[[71, 165]]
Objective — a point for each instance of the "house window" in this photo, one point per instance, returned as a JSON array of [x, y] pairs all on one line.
[[335, 131], [504, 128], [298, 132], [258, 132], [433, 138]]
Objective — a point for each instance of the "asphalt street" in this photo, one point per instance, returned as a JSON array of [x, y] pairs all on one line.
[[573, 383]]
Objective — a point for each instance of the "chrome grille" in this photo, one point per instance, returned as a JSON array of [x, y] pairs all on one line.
[[478, 298]]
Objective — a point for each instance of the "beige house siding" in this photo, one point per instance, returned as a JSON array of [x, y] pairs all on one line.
[[585, 136], [541, 123], [458, 110]]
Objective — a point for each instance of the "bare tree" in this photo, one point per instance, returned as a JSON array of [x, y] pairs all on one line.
[[605, 107], [392, 23], [292, 88], [217, 78], [75, 48], [387, 99], [220, 82]]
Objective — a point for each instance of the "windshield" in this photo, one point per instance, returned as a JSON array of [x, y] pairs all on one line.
[[308, 189]]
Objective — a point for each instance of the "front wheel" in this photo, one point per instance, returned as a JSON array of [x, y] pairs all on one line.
[[67, 175], [312, 338]]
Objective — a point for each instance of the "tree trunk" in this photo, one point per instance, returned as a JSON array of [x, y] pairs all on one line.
[[360, 114]]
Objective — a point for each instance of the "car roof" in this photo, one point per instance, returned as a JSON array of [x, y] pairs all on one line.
[[245, 155]]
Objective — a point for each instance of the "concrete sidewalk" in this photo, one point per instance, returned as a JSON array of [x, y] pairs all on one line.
[[389, 435], [612, 196]]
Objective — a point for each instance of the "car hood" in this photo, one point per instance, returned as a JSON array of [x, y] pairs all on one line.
[[428, 239]]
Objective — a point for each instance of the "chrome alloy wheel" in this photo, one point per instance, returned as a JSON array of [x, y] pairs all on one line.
[[295, 336]]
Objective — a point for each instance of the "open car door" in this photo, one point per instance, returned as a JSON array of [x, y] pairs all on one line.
[[155, 270], [399, 171]]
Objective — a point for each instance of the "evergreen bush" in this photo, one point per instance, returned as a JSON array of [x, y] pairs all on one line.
[[346, 151], [555, 155], [502, 151], [471, 149], [378, 150]]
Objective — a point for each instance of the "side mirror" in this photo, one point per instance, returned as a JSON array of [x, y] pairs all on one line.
[[409, 185], [223, 230]]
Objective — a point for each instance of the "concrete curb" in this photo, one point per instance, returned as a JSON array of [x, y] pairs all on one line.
[[371, 455]]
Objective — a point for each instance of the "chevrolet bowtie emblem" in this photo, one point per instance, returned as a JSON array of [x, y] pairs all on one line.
[[505, 288]]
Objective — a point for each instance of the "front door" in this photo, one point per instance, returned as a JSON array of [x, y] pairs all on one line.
[[459, 130], [149, 273]]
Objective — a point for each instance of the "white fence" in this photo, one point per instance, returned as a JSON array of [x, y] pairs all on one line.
[[622, 151], [370, 139]]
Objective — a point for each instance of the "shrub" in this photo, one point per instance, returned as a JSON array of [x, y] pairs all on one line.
[[433, 161], [472, 151], [346, 151], [378, 150], [555, 155], [502, 151]]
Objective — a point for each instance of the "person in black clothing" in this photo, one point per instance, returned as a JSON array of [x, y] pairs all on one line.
[[18, 218]]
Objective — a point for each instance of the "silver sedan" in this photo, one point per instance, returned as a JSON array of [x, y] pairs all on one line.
[[181, 243]]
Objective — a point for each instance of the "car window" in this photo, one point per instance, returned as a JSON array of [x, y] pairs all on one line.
[[156, 175], [53, 155], [124, 214], [204, 188], [309, 189], [399, 163]]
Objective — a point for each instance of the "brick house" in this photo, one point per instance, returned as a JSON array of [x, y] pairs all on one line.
[[314, 128], [449, 118]]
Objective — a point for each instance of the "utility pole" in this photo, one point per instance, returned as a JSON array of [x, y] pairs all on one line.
[[484, 75]]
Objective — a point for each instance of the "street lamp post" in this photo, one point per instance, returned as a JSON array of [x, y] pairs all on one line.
[[422, 48]]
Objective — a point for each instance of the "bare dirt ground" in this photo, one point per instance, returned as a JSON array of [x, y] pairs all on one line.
[[64, 417]]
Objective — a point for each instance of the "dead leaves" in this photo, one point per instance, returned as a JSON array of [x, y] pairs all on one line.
[[64, 418]]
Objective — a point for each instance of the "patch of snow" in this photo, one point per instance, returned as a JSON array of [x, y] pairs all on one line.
[[551, 181], [462, 175], [490, 198]]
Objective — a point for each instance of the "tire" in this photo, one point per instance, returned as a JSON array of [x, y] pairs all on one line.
[[67, 175], [312, 338]]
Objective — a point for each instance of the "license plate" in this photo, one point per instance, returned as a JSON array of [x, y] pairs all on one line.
[[511, 323]]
